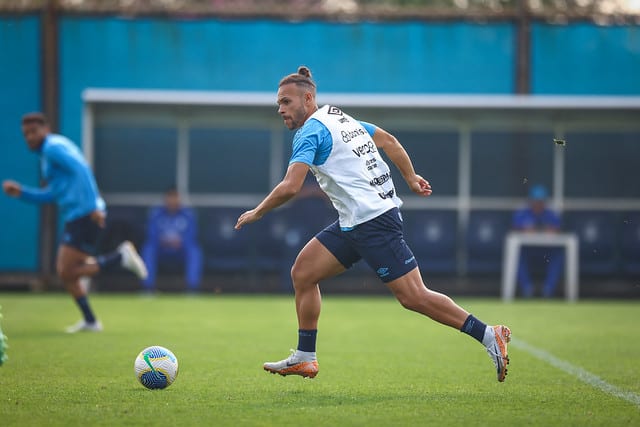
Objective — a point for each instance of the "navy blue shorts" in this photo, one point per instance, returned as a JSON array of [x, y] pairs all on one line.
[[82, 234], [380, 242]]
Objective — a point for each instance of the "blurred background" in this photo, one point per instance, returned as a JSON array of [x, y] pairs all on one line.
[[181, 93]]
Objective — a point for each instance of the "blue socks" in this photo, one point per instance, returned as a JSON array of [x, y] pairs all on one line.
[[307, 340], [83, 303], [474, 327], [109, 261]]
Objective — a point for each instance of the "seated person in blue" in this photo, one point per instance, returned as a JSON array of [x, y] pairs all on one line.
[[536, 217], [171, 237]]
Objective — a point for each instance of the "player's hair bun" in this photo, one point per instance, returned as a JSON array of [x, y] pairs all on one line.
[[304, 71], [302, 78]]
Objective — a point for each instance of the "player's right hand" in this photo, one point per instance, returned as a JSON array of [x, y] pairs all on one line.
[[99, 217], [247, 218], [12, 188]]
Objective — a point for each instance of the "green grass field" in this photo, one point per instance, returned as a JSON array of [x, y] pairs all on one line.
[[380, 365]]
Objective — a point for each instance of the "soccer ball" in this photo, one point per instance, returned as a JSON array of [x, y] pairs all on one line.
[[156, 367]]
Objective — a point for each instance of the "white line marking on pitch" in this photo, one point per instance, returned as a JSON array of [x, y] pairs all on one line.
[[581, 374]]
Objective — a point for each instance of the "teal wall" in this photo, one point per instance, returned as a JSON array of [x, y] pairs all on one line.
[[585, 59], [254, 55], [407, 57], [19, 93]]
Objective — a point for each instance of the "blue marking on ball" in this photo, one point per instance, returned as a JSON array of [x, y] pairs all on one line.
[[154, 380]]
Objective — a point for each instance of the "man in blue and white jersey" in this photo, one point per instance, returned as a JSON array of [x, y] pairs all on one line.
[[72, 186], [344, 155]]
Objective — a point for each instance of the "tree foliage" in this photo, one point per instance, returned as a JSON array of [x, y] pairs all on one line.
[[603, 11]]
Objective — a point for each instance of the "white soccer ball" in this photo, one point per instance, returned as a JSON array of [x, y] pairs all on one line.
[[156, 367]]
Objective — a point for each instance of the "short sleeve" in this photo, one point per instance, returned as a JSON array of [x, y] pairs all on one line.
[[312, 144], [370, 128]]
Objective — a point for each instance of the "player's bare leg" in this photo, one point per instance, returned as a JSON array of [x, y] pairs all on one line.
[[313, 264], [414, 295], [71, 265]]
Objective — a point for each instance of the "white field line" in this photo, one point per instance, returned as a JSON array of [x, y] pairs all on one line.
[[579, 373]]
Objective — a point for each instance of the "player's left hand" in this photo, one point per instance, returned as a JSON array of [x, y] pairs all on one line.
[[247, 218], [420, 186], [99, 218]]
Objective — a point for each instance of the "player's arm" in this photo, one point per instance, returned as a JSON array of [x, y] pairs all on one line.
[[283, 192], [305, 147], [48, 194], [397, 154], [521, 222], [553, 223], [30, 194]]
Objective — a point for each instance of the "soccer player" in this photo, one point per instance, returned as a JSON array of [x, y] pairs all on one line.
[[344, 156], [72, 186], [3, 345]]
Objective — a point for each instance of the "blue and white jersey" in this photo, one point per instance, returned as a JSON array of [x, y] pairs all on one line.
[[70, 181], [347, 165]]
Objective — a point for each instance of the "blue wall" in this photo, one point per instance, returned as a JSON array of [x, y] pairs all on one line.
[[585, 59], [409, 57], [20, 93], [253, 56]]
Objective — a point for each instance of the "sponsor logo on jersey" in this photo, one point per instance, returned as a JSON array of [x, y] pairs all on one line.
[[387, 195], [335, 111], [379, 180], [347, 136], [367, 148]]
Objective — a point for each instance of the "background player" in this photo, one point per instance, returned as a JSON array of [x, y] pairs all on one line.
[[72, 186]]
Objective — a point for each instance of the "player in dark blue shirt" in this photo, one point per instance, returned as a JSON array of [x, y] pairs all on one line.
[[172, 236], [537, 217], [72, 186]]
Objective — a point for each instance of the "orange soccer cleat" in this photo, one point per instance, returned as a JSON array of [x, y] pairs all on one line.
[[498, 350], [294, 365]]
